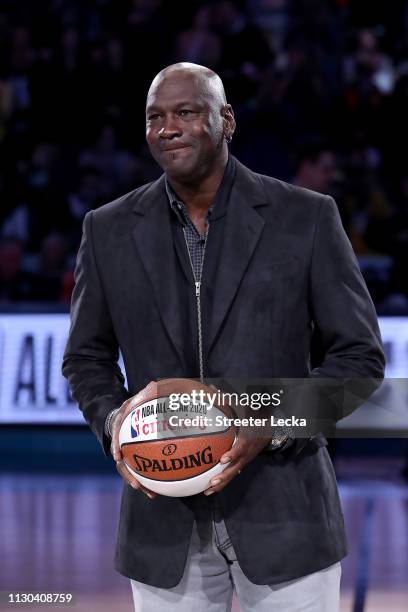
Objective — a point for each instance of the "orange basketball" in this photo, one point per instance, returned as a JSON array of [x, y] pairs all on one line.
[[174, 436]]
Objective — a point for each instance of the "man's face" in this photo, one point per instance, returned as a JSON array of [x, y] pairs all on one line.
[[184, 127]]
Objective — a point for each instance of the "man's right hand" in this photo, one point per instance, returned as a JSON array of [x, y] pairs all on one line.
[[116, 424]]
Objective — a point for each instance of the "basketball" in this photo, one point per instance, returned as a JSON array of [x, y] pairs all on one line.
[[174, 436]]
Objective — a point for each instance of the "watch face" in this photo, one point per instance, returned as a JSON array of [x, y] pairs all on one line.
[[279, 440]]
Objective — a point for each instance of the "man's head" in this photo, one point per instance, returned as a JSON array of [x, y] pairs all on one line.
[[316, 167], [188, 122]]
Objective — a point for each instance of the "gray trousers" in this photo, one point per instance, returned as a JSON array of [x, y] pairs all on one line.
[[212, 574]]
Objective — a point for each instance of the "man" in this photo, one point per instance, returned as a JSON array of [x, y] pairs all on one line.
[[270, 263]]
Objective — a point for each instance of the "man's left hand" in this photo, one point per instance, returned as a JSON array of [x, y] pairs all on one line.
[[243, 451]]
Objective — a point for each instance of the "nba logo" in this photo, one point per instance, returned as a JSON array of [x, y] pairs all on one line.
[[134, 424]]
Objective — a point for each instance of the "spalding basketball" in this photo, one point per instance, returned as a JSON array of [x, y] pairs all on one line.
[[174, 436]]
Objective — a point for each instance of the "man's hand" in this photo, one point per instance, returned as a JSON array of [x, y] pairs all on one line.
[[244, 450], [116, 424]]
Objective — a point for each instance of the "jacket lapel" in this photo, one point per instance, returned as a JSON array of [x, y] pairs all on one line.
[[154, 242], [242, 231]]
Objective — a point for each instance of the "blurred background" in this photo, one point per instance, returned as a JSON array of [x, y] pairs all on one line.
[[320, 93]]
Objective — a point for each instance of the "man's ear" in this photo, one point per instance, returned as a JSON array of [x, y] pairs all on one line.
[[229, 121]]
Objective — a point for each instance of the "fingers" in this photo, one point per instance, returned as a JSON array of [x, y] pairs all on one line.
[[235, 451], [116, 423], [131, 480], [244, 448], [221, 480], [236, 457], [116, 453]]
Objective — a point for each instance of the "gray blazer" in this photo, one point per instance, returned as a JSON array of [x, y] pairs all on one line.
[[286, 271]]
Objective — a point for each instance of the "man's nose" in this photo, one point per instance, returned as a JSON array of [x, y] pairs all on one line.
[[170, 128]]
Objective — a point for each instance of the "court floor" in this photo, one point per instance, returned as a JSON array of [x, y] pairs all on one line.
[[57, 534]]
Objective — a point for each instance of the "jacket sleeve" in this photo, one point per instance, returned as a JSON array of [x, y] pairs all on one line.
[[341, 307], [352, 361], [91, 356]]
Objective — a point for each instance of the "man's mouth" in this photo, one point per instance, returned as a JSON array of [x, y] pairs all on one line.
[[174, 148]]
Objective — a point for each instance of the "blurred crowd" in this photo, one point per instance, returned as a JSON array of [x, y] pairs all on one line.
[[319, 89]]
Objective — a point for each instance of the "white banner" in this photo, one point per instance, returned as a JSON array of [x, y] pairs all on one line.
[[33, 390]]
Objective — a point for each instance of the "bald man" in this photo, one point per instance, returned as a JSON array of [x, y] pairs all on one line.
[[215, 271]]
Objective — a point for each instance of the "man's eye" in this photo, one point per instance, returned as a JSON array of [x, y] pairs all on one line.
[[153, 117], [184, 112]]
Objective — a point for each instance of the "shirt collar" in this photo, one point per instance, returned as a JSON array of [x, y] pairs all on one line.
[[220, 203]]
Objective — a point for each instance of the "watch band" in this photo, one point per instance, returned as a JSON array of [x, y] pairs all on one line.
[[108, 422]]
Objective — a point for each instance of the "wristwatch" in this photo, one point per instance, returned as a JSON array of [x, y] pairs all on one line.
[[282, 435]]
